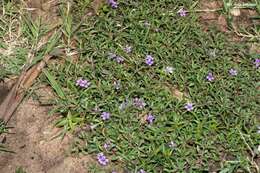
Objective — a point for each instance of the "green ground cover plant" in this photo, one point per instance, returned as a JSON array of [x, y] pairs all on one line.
[[152, 92]]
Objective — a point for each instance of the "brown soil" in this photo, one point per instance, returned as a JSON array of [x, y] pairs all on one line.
[[35, 148], [210, 18], [3, 91], [241, 18], [47, 10]]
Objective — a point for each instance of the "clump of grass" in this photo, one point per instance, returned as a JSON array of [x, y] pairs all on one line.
[[3, 128], [14, 50], [20, 170]]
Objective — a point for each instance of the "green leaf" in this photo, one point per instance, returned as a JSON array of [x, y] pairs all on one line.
[[54, 84]]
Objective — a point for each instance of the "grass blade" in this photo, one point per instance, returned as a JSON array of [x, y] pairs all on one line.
[[54, 84]]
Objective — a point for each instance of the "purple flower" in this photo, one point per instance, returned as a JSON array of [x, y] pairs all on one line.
[[102, 159], [119, 59], [169, 70], [113, 172], [232, 72], [172, 144], [182, 12], [128, 49], [150, 118], [83, 83], [257, 63], [112, 3], [189, 107], [105, 115], [210, 77], [141, 171], [149, 60], [139, 103]]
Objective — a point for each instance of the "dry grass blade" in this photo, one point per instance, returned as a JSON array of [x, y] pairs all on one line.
[[17, 93], [29, 74]]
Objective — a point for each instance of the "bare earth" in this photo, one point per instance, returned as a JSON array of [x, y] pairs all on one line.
[[35, 150]]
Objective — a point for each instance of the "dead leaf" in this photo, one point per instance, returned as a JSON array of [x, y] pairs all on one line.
[[23, 83], [15, 96]]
